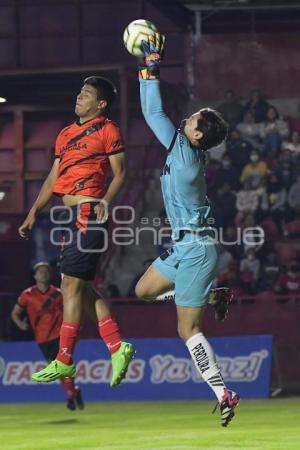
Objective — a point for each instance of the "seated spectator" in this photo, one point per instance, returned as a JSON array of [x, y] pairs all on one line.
[[272, 131], [294, 198], [247, 199], [289, 282], [231, 241], [212, 168], [216, 213], [271, 265], [294, 122], [255, 171], [286, 253], [249, 129], [228, 173], [246, 222], [257, 105], [249, 270], [285, 169], [238, 150], [225, 262], [293, 144], [271, 229], [273, 199], [231, 108], [269, 273], [292, 228], [226, 200]]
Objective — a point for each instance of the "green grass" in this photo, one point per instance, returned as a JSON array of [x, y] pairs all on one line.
[[258, 425]]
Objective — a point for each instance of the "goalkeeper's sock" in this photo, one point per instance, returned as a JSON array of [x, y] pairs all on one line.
[[205, 362], [109, 332], [69, 386], [69, 333]]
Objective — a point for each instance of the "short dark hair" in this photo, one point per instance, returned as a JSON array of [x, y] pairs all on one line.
[[106, 90], [213, 127]]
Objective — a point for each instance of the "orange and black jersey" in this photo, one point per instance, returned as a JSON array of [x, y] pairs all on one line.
[[44, 310], [83, 151]]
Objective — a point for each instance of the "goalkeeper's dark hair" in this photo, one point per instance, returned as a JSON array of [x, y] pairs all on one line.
[[213, 127], [106, 90]]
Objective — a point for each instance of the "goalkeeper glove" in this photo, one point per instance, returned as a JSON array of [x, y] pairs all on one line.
[[153, 50]]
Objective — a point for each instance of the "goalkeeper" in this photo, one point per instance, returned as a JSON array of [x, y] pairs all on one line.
[[192, 262]]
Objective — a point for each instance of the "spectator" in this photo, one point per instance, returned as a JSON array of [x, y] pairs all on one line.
[[270, 272], [294, 122], [252, 240], [249, 269], [212, 168], [272, 131], [289, 282], [274, 198], [231, 109], [271, 265], [238, 149], [228, 173], [257, 105], [226, 200], [271, 229], [294, 144], [231, 240], [255, 171], [225, 264], [249, 129], [294, 196], [285, 169], [247, 199]]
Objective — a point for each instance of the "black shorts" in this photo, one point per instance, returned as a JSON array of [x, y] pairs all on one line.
[[83, 241], [50, 349]]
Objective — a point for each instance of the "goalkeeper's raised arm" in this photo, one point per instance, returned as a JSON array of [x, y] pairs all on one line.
[[151, 102]]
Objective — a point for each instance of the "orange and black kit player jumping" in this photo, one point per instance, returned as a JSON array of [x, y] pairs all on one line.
[[84, 154], [43, 305]]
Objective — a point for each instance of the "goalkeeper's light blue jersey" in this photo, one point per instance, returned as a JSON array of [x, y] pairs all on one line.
[[182, 179]]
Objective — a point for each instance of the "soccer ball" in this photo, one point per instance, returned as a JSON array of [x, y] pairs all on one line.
[[135, 32]]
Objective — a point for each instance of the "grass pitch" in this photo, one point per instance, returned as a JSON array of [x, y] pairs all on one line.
[[258, 425]]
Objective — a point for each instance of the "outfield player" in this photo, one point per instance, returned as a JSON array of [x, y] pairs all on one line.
[[84, 153], [191, 264], [43, 305]]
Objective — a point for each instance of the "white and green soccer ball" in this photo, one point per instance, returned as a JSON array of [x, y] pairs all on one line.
[[135, 32]]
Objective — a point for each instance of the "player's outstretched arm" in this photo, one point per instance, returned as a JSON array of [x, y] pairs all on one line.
[[150, 96], [41, 201]]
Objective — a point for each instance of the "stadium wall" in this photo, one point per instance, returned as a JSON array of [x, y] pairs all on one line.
[[244, 61]]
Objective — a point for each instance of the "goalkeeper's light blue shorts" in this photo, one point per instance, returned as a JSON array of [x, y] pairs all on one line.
[[191, 264]]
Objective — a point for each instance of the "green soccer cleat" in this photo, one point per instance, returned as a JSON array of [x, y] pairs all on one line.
[[54, 371], [120, 361]]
